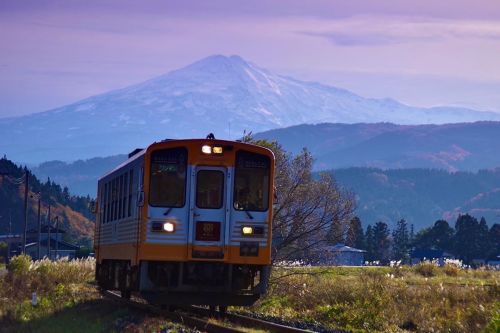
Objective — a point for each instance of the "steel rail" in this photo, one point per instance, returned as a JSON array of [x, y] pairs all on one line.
[[203, 324], [196, 323], [251, 321]]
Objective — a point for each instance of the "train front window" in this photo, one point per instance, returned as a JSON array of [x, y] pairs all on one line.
[[167, 184], [209, 189], [251, 183]]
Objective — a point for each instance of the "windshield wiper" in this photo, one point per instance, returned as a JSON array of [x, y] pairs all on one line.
[[249, 215]]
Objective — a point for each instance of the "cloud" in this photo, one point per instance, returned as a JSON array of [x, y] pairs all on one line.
[[375, 31]]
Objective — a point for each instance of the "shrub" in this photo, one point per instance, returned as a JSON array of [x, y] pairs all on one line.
[[57, 284], [451, 270], [426, 268], [19, 265]]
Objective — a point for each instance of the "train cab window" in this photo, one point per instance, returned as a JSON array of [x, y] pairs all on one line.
[[209, 189], [251, 182], [167, 183]]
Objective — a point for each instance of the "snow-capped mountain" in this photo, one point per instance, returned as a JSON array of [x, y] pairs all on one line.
[[217, 94]]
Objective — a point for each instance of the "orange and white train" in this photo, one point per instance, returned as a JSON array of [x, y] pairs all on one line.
[[187, 222]]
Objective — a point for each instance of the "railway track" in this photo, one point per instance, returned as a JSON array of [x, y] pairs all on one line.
[[200, 318]]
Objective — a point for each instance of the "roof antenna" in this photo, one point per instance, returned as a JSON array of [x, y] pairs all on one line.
[[211, 136]]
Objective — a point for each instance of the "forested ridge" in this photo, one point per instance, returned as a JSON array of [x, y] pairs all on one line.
[[72, 210], [422, 196]]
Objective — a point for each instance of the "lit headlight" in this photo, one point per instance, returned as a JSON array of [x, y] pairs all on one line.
[[217, 150], [168, 227], [247, 230], [206, 149]]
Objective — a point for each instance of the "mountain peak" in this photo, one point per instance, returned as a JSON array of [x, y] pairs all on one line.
[[218, 62], [221, 94]]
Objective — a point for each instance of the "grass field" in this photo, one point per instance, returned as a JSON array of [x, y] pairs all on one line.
[[385, 299], [422, 298], [68, 301]]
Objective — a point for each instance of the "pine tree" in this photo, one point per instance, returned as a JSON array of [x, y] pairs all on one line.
[[483, 241], [369, 243], [412, 233], [401, 242], [382, 242], [467, 241], [442, 236], [355, 236], [494, 237]]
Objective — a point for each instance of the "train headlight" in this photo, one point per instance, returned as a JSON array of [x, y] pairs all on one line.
[[168, 227], [247, 231], [206, 149], [217, 150]]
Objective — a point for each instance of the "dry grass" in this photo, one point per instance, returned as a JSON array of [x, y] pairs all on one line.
[[57, 284], [388, 299]]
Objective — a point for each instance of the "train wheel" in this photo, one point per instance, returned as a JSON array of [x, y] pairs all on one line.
[[125, 294], [222, 309]]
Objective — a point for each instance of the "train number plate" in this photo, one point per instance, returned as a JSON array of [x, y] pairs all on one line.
[[208, 231]]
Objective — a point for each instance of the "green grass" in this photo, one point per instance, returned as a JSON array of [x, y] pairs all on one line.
[[385, 299]]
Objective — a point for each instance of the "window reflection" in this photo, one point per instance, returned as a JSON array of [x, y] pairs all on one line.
[[251, 184], [168, 177], [209, 189]]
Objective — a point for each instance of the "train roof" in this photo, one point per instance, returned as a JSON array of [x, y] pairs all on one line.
[[139, 152]]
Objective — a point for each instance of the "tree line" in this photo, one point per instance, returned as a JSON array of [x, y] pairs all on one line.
[[469, 239], [12, 205]]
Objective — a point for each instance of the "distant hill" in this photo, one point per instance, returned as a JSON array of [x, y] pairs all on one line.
[[80, 176], [463, 146], [217, 94], [72, 210], [422, 196]]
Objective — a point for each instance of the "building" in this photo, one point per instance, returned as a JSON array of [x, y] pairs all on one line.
[[340, 255], [419, 255], [58, 247]]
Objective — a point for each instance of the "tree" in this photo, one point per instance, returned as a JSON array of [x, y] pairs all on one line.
[[355, 236], [382, 242], [306, 205], [469, 238], [336, 233], [484, 245], [494, 237], [439, 237], [369, 243], [423, 239], [442, 235], [401, 241]]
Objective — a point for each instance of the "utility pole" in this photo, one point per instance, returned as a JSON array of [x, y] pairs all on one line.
[[48, 230], [26, 189], [39, 227], [57, 236]]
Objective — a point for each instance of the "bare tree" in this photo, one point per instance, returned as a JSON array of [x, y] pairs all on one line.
[[307, 205]]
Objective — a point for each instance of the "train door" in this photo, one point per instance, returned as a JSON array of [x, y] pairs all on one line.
[[209, 212]]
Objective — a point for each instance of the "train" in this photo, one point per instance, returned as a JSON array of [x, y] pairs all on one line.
[[187, 222]]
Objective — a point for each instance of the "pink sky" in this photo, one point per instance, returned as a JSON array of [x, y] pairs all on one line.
[[423, 53]]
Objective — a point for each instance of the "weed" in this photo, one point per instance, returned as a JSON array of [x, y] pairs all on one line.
[[426, 268]]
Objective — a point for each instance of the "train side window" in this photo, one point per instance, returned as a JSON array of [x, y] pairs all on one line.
[[107, 201], [114, 193], [209, 189], [130, 192], [103, 211], [119, 197], [251, 182], [167, 181], [124, 195]]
